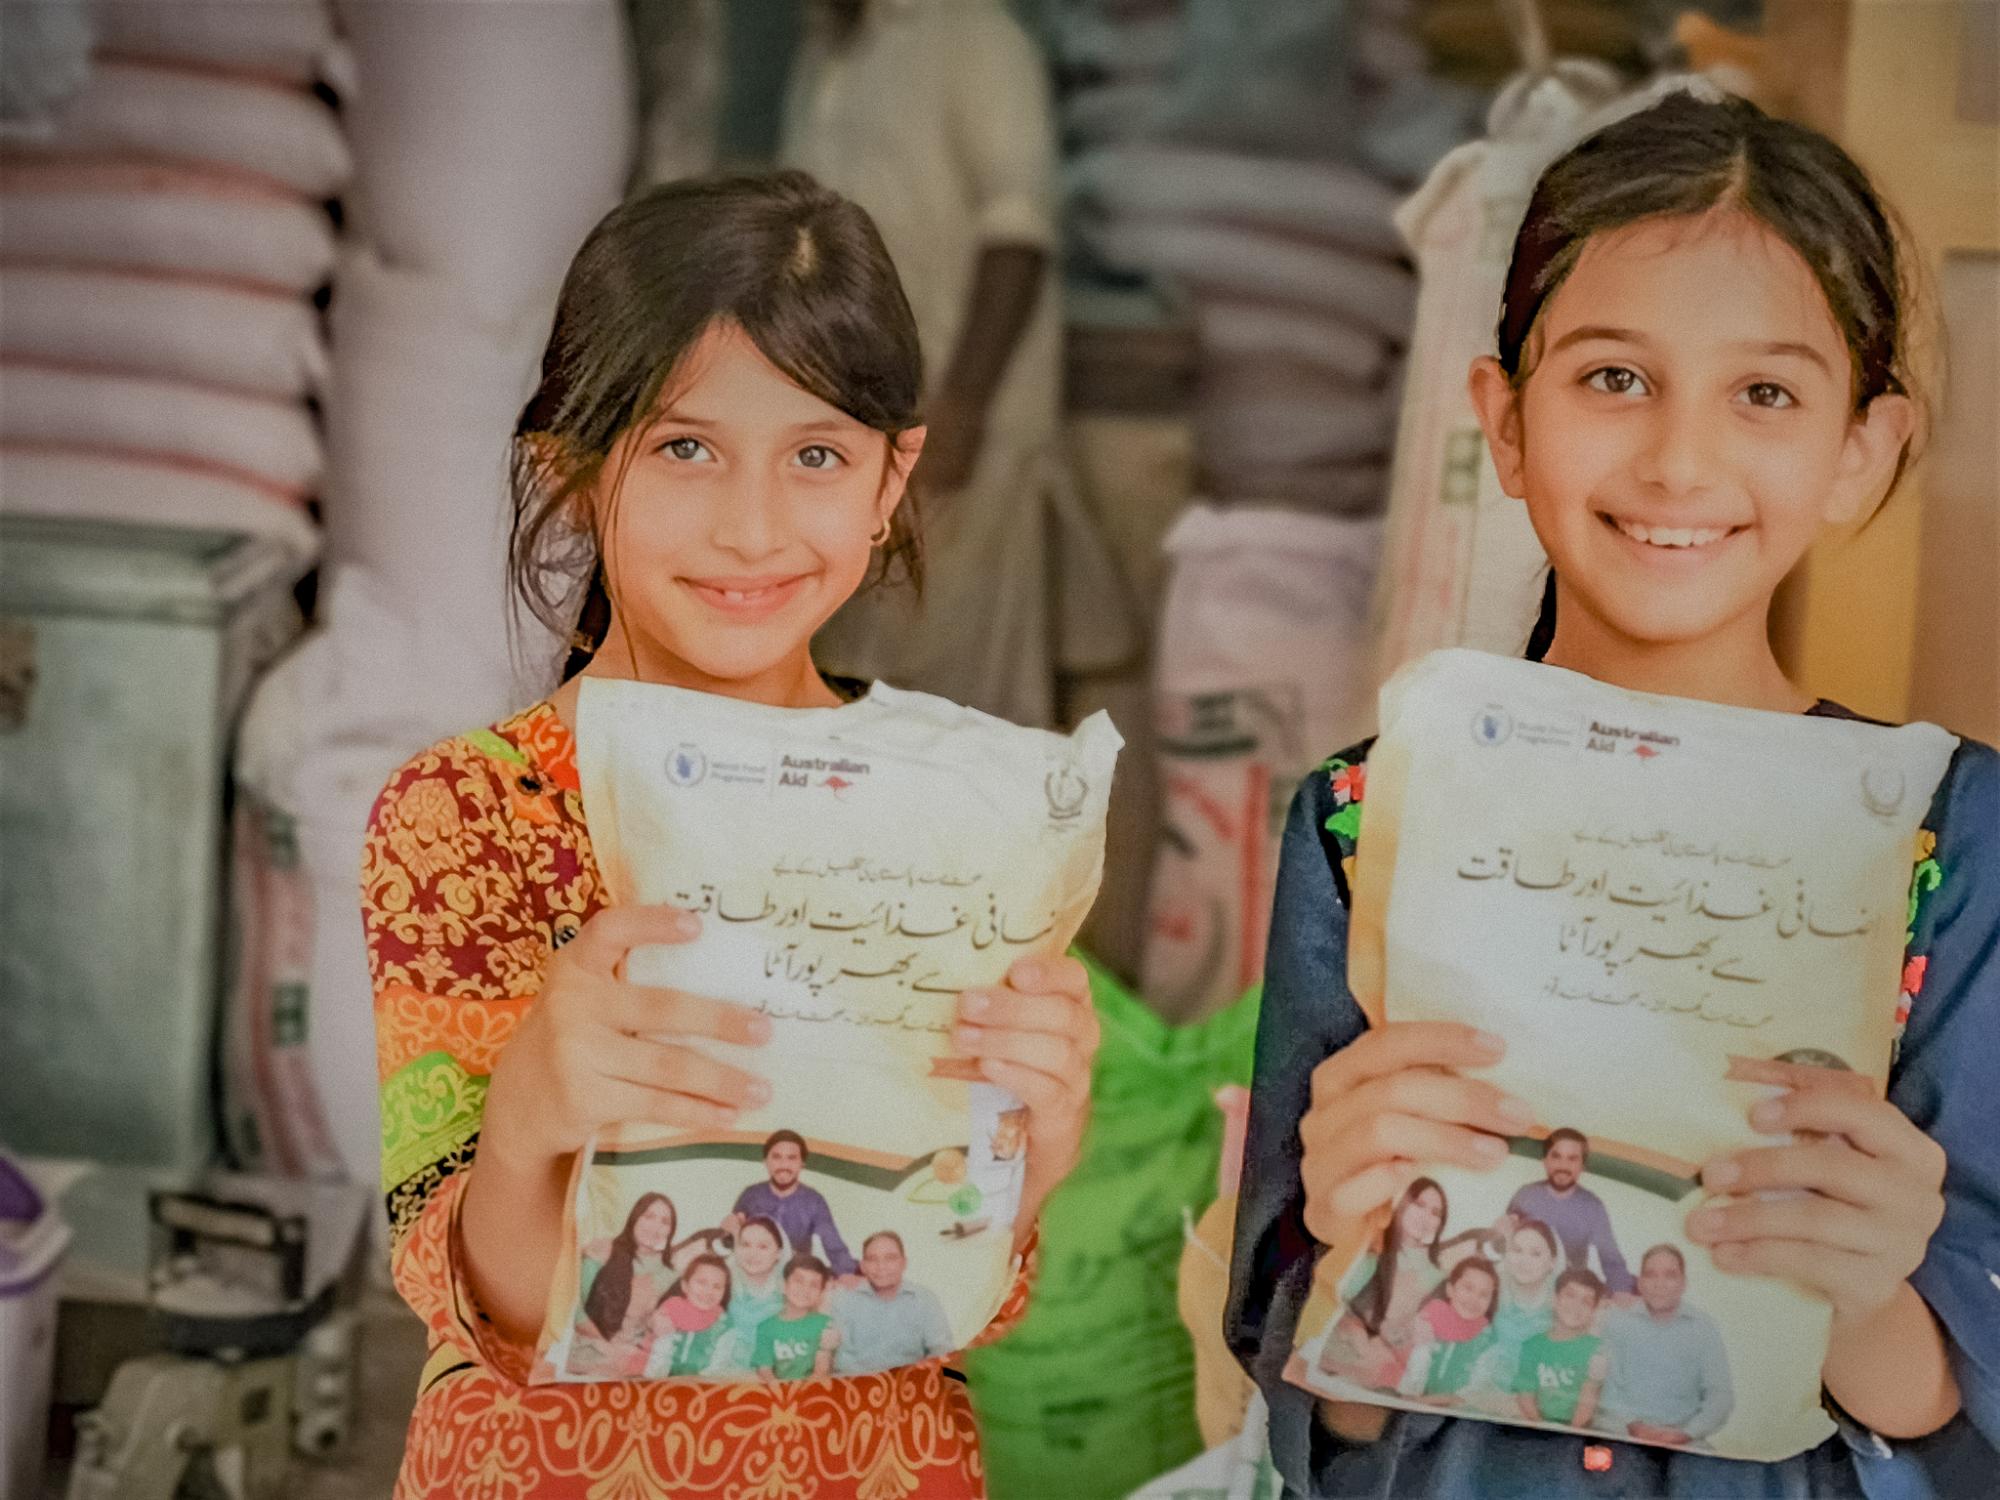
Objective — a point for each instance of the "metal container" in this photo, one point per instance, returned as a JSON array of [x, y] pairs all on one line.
[[125, 655]]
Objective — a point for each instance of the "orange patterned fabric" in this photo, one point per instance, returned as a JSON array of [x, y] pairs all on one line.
[[478, 866]]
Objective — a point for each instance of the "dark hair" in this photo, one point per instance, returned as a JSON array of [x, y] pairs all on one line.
[[1686, 156], [886, 1234], [1565, 1133], [812, 1263], [779, 1137], [1580, 1276], [1664, 1249], [1470, 1263], [800, 269], [611, 1294], [680, 1281], [765, 1223], [1537, 1226], [1371, 1303]]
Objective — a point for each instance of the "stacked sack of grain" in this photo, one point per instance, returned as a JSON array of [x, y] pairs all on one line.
[[167, 235], [163, 235], [1276, 217], [488, 136]]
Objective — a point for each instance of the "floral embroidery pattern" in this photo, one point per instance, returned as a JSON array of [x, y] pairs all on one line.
[[477, 866], [1349, 781], [1925, 880]]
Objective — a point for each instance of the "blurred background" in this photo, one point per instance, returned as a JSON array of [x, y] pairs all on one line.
[[275, 276]]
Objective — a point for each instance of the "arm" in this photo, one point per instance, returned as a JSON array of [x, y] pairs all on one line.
[[937, 1328], [1617, 1275], [1307, 1014], [1586, 1404], [1903, 1210], [1005, 134], [837, 1256], [442, 1013], [1892, 1369], [1526, 1403], [492, 1066], [1718, 1395]]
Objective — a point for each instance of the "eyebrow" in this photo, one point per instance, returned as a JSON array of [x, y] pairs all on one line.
[[671, 416], [1604, 332]]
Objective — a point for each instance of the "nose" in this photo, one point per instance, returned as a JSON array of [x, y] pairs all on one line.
[[749, 517], [1677, 458]]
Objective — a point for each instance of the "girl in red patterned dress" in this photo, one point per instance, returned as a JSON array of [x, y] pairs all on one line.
[[720, 446]]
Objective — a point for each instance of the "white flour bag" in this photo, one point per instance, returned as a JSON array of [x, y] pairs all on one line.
[[855, 868]]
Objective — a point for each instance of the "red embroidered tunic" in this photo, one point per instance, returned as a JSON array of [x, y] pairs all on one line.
[[477, 866]]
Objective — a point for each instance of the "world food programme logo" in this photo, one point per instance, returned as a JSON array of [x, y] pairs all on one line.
[[1492, 727], [686, 766], [1882, 790], [1066, 791]]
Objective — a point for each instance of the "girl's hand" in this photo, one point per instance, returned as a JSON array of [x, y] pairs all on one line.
[[1873, 1198], [1391, 1102], [829, 1337], [1037, 1037], [586, 1054]]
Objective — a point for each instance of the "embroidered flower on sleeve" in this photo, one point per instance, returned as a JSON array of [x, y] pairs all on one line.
[[1925, 879], [1348, 782]]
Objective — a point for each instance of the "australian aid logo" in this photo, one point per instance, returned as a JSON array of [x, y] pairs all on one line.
[[837, 774], [1625, 739]]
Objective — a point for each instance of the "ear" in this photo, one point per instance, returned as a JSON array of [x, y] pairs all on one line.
[[1876, 438], [905, 448], [1498, 406]]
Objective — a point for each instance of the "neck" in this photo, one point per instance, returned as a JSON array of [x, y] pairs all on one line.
[[1562, 1192], [1563, 1331], [1732, 665], [1664, 1315], [793, 682], [783, 1192], [887, 1294]]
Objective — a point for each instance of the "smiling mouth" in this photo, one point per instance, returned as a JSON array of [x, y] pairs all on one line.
[[1669, 538]]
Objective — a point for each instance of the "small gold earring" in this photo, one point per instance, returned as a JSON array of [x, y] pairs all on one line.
[[881, 535]]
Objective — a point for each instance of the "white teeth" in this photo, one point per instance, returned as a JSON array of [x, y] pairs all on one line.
[[1672, 536]]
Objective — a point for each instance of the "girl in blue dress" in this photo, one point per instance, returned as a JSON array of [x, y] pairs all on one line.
[[1701, 368]]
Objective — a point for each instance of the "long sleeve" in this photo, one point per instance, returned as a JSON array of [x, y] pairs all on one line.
[[1943, 1080], [1307, 1015], [837, 1254], [1718, 1396], [1617, 1275], [937, 1328], [447, 935]]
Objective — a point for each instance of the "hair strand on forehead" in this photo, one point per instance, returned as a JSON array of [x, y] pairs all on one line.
[[799, 269], [1686, 157]]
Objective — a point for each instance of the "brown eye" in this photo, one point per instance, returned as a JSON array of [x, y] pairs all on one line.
[[1768, 395], [688, 450], [819, 456], [1614, 380]]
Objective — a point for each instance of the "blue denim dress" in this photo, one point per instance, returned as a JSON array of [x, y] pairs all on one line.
[[1946, 1078]]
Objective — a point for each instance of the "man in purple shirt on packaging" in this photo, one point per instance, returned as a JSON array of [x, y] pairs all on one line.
[[1574, 1212], [801, 1212]]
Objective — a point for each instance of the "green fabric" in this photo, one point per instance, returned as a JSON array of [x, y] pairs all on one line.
[[1451, 1364], [787, 1346], [1554, 1372], [694, 1351], [1092, 1394]]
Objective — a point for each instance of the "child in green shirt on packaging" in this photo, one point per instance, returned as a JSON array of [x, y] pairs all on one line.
[[1562, 1371], [798, 1340]]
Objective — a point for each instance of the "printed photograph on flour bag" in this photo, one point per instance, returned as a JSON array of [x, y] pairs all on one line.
[[855, 868], [1670, 910]]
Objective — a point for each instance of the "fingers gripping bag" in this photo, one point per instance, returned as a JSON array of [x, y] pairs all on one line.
[[855, 868], [1670, 910]]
